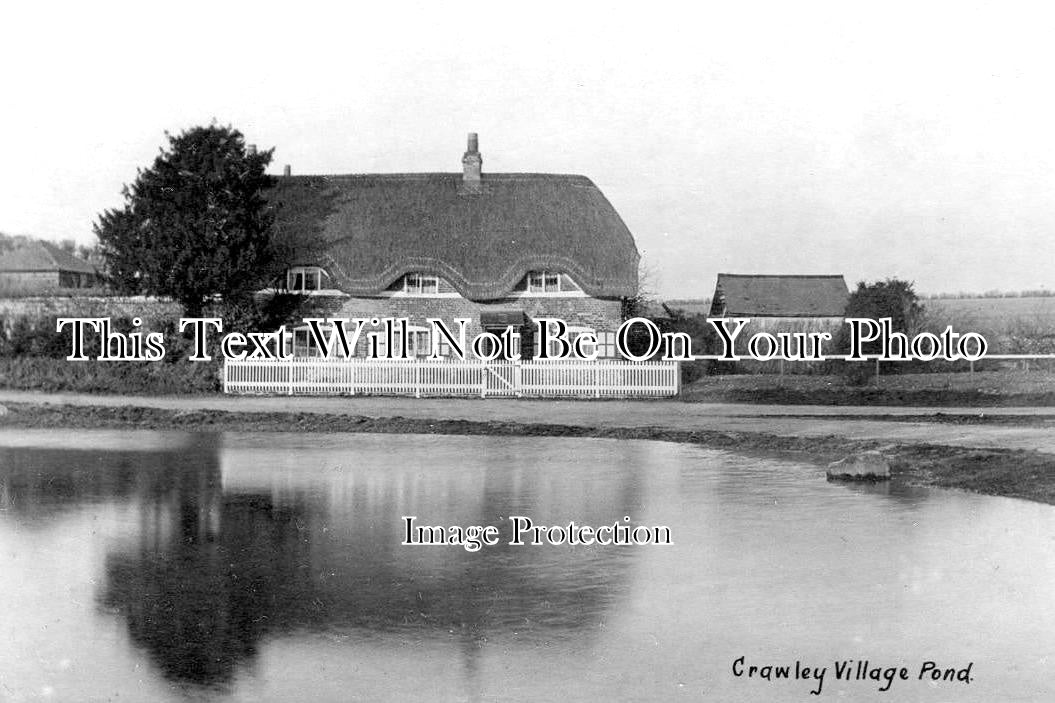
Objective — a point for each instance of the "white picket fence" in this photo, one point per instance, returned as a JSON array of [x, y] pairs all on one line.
[[421, 377]]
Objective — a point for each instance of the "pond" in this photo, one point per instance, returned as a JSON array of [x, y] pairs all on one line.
[[272, 567]]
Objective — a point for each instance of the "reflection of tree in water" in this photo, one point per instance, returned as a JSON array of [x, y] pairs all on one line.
[[200, 603], [216, 573]]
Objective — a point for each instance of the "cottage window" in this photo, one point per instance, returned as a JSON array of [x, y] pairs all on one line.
[[574, 333], [377, 341], [543, 282], [417, 341], [606, 345], [421, 284], [304, 279], [304, 343]]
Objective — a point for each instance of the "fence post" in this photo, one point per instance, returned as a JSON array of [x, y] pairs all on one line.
[[291, 375], [225, 362], [417, 379]]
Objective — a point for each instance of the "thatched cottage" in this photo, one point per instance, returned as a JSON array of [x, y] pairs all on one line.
[[498, 248]]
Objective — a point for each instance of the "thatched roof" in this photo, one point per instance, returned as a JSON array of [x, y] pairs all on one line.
[[368, 230], [780, 296], [42, 256]]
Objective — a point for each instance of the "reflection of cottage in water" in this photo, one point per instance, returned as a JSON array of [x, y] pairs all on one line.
[[238, 546]]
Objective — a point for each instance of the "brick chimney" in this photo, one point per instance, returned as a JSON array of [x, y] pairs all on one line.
[[287, 170], [471, 164]]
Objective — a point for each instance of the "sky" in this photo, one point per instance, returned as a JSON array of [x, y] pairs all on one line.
[[875, 140]]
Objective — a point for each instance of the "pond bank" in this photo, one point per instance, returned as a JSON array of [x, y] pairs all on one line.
[[994, 470]]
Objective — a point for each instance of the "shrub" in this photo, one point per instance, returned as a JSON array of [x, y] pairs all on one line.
[[891, 298], [135, 377], [26, 336]]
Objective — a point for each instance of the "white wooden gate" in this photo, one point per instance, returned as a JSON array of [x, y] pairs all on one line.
[[501, 378]]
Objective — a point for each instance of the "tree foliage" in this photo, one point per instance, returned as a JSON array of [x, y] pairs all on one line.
[[643, 302], [86, 252], [195, 224], [8, 242], [893, 298]]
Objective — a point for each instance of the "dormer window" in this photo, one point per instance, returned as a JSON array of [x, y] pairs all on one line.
[[304, 279], [543, 282], [421, 284]]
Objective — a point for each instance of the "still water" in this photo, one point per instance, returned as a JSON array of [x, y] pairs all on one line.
[[269, 567]]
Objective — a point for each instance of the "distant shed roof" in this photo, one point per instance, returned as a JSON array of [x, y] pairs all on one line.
[[780, 296], [368, 230], [42, 256]]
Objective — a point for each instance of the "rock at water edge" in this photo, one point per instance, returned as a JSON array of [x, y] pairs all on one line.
[[866, 466]]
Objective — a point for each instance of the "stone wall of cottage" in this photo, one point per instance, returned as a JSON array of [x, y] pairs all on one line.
[[597, 313], [601, 315]]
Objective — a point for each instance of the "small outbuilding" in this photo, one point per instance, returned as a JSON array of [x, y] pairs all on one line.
[[41, 268], [782, 300]]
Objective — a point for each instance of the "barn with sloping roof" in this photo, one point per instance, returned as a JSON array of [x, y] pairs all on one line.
[[42, 267], [782, 302], [738, 295], [499, 249]]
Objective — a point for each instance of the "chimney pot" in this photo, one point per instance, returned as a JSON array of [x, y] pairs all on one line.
[[287, 170], [472, 163], [251, 149]]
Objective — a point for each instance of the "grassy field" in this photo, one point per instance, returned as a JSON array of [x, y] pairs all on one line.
[[981, 389], [994, 314]]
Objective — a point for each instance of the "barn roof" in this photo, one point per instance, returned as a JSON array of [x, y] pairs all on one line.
[[42, 256], [368, 230], [780, 296]]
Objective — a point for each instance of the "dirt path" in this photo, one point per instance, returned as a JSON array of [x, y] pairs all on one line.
[[891, 424]]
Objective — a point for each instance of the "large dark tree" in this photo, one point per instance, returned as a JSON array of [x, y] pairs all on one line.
[[893, 298], [195, 224]]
